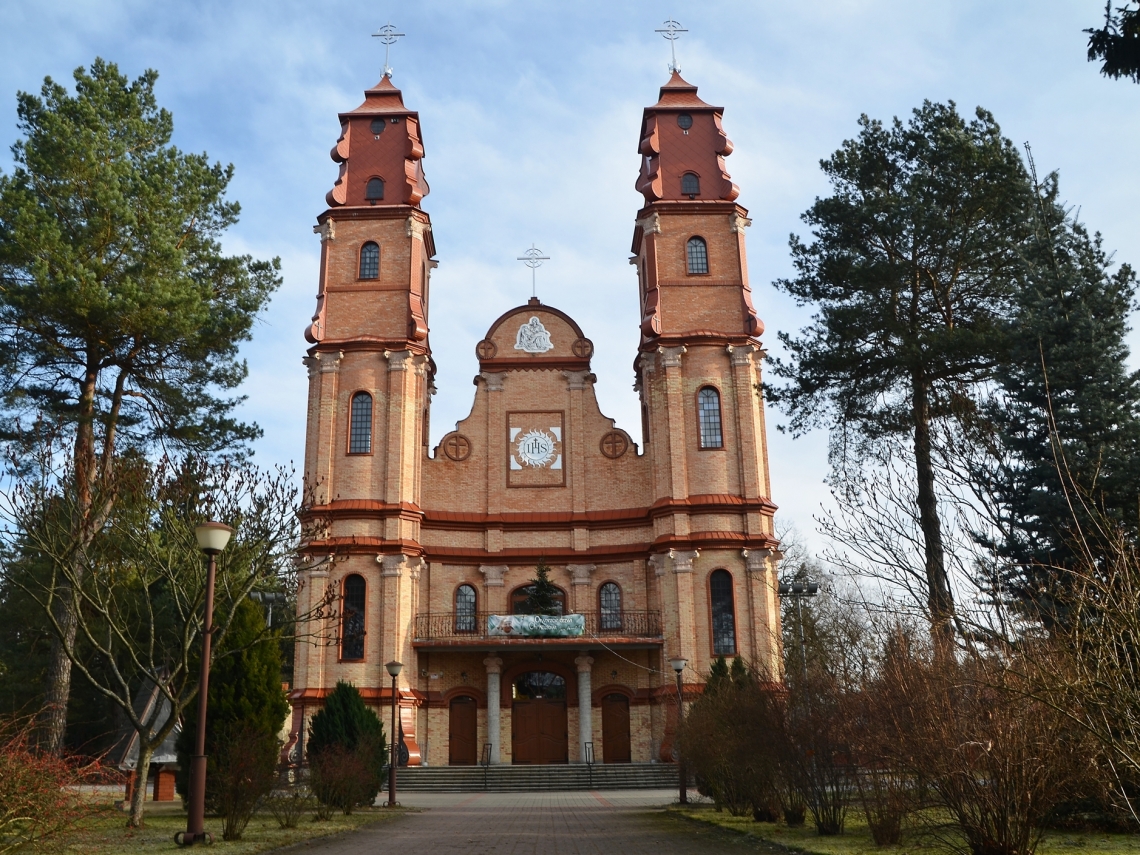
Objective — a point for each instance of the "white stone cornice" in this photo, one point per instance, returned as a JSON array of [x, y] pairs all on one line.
[[683, 560], [327, 230], [415, 567], [580, 573], [577, 379], [671, 356], [391, 565], [494, 380], [325, 363], [648, 363], [397, 359], [657, 562], [420, 364], [650, 225], [493, 574], [759, 561], [741, 354], [416, 229], [737, 223]]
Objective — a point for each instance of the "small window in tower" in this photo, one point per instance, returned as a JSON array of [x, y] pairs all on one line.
[[723, 613], [369, 261], [377, 127], [360, 424], [609, 598], [685, 121], [697, 255], [352, 618], [465, 615], [708, 414], [375, 190], [690, 185]]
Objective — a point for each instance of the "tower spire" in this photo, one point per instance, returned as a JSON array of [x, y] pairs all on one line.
[[672, 31], [388, 37]]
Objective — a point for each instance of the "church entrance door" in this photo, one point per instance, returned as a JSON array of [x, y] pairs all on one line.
[[615, 729], [538, 719], [462, 735]]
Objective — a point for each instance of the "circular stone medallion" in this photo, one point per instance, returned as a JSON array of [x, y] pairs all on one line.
[[614, 444], [457, 447], [583, 348], [486, 349], [536, 448]]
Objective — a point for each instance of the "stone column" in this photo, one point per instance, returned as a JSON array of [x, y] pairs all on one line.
[[494, 679], [585, 706]]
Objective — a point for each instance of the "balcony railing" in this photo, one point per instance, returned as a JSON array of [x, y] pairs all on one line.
[[473, 627]]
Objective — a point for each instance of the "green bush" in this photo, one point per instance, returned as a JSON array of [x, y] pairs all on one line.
[[347, 751]]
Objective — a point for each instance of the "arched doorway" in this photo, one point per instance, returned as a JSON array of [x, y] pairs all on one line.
[[463, 741], [615, 729], [538, 718]]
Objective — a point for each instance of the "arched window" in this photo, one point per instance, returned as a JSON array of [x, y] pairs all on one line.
[[464, 609], [374, 191], [609, 598], [697, 255], [360, 424], [723, 613], [369, 261], [690, 185], [708, 411], [352, 618]]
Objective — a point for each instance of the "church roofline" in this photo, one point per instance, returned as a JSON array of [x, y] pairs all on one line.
[[531, 305]]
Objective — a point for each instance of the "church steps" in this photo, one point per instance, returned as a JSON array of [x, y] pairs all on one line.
[[506, 778]]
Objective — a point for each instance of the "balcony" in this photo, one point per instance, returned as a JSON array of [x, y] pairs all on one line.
[[627, 629]]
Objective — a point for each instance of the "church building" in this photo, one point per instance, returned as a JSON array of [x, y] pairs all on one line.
[[659, 552]]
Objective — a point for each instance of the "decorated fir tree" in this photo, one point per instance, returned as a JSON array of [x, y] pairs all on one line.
[[543, 596]]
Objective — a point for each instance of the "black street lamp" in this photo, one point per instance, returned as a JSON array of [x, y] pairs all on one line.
[[679, 666], [212, 539], [394, 668], [797, 590]]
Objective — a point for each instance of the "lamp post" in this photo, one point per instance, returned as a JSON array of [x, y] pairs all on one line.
[[212, 539], [678, 665], [798, 590], [394, 668]]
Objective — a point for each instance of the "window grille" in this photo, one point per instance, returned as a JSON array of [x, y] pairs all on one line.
[[690, 185], [352, 618], [610, 599], [374, 191], [708, 411], [369, 261], [723, 613], [697, 255], [465, 609], [360, 424]]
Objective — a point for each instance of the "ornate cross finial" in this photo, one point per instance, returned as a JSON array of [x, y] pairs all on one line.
[[388, 35], [533, 259], [672, 31]]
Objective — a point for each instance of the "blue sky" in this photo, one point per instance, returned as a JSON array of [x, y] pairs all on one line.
[[530, 114]]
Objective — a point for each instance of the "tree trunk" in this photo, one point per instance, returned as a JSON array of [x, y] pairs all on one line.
[[940, 600], [54, 716], [138, 795]]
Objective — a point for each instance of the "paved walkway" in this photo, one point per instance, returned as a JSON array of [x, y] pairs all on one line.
[[622, 822]]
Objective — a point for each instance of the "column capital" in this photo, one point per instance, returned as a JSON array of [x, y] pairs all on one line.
[[397, 359], [759, 561], [737, 224], [657, 562], [741, 354], [577, 379], [416, 229], [391, 565], [584, 661], [327, 230], [327, 362], [493, 379], [671, 356], [494, 664], [683, 561], [650, 225], [580, 573], [493, 574]]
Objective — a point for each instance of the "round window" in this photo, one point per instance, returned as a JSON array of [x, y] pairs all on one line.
[[377, 126], [685, 121]]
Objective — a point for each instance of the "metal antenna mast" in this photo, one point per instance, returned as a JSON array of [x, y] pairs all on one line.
[[672, 31], [533, 259], [388, 36]]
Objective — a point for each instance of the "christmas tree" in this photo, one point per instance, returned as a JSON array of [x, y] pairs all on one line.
[[542, 598]]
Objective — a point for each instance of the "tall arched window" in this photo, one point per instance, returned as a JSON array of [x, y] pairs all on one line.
[[352, 618], [609, 598], [465, 609], [360, 424], [723, 613], [690, 185], [369, 261], [697, 255], [374, 191], [708, 412]]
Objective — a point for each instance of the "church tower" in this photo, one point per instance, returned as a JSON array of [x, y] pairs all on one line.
[[698, 375], [370, 382]]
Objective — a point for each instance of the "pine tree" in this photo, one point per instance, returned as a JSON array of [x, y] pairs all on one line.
[[718, 676], [347, 750], [246, 703], [543, 594], [741, 678]]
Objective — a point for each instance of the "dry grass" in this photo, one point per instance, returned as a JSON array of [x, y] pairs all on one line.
[[857, 839]]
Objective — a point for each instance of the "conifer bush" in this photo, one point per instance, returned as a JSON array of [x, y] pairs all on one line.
[[347, 751]]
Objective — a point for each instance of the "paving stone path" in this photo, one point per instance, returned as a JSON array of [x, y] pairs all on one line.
[[578, 823]]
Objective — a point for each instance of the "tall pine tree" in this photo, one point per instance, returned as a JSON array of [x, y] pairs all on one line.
[[542, 598]]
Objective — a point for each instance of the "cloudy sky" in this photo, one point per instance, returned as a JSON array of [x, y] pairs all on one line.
[[530, 114]]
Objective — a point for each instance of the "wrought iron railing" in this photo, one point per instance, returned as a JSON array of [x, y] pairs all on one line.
[[457, 627]]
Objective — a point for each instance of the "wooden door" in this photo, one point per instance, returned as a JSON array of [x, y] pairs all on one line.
[[462, 732], [615, 729], [538, 731]]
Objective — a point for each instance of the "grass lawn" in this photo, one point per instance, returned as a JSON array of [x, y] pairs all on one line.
[[105, 833], [856, 838]]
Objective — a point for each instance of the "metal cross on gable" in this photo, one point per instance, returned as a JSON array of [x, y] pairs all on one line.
[[533, 259], [388, 37], [672, 31]]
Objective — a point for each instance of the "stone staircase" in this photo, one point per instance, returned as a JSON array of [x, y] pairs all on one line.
[[507, 778]]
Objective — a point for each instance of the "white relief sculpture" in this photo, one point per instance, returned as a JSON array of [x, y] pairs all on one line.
[[536, 448], [533, 337]]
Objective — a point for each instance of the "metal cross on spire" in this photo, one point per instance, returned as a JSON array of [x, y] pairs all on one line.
[[533, 259], [672, 31], [388, 36]]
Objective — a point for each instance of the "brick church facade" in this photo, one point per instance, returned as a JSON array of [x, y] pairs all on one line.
[[665, 551]]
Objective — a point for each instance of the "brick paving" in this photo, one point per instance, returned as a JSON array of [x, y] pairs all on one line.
[[578, 823]]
